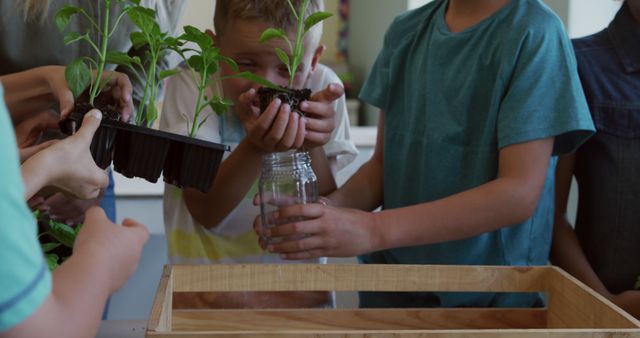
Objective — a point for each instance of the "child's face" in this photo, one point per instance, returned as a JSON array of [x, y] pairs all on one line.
[[241, 42]]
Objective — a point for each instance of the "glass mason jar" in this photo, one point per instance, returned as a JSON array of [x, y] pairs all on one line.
[[286, 179]]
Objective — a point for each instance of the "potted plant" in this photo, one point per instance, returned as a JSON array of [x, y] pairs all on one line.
[[85, 75], [193, 162], [292, 60], [137, 150], [56, 238]]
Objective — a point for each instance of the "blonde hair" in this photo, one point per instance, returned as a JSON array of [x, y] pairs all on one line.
[[276, 13], [34, 10]]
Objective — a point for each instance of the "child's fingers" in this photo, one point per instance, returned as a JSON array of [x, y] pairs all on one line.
[[302, 133], [325, 125], [265, 120], [331, 93], [279, 126], [289, 137]]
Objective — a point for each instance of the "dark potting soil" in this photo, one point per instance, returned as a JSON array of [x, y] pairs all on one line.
[[294, 97], [104, 102]]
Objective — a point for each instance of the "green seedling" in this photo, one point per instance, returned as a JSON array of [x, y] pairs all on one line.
[[293, 59]]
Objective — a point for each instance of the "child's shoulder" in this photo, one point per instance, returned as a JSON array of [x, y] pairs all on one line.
[[405, 24], [533, 16]]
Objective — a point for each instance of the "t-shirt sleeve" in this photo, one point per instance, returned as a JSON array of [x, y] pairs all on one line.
[[544, 97], [25, 280], [179, 104]]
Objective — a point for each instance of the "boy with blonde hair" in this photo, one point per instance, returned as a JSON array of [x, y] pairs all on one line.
[[216, 226]]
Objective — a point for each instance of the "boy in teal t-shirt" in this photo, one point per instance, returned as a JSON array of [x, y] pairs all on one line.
[[475, 108]]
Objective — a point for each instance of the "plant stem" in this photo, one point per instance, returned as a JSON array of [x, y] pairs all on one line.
[[102, 56], [201, 88]]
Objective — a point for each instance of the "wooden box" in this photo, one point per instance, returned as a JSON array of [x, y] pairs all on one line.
[[573, 310]]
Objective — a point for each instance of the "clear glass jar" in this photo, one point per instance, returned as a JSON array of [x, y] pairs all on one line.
[[286, 179]]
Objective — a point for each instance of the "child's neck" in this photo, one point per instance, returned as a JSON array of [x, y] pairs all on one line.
[[462, 14]]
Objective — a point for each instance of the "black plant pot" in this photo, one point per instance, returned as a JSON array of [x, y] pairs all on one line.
[[143, 152], [192, 163], [103, 140], [140, 151]]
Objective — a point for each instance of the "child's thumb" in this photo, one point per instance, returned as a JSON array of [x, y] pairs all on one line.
[[90, 124]]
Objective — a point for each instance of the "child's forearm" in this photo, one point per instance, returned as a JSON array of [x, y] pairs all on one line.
[[27, 92], [363, 190], [567, 253], [37, 172], [73, 308], [509, 199], [236, 175], [322, 167]]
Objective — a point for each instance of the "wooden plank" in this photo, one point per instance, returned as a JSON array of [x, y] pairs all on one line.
[[574, 305], [537, 333], [364, 319], [358, 277], [160, 320]]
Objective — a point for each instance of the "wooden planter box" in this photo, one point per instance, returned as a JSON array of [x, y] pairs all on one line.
[[573, 309]]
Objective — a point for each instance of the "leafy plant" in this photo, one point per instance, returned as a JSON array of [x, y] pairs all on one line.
[[87, 71], [157, 44], [204, 62], [296, 48], [59, 234]]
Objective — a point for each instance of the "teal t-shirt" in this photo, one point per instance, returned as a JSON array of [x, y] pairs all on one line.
[[452, 101], [25, 280]]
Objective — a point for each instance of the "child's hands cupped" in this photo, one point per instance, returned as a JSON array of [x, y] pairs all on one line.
[[276, 129], [325, 232], [320, 115]]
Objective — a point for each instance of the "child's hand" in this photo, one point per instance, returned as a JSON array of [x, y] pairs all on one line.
[[276, 129], [320, 116], [326, 232], [72, 167], [116, 249]]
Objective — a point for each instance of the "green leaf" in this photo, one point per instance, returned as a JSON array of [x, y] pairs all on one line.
[[78, 77], [49, 246], [168, 72], [257, 79], [229, 61], [271, 33], [138, 39], [196, 62], [283, 56], [143, 18], [203, 40], [52, 261], [120, 58], [314, 18], [63, 233], [64, 15], [72, 37]]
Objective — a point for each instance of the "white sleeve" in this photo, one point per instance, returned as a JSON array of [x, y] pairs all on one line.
[[340, 145], [179, 104], [178, 108]]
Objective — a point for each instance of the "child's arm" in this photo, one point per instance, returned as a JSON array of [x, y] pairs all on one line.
[[509, 199], [276, 129], [566, 251], [67, 165], [38, 89], [104, 256]]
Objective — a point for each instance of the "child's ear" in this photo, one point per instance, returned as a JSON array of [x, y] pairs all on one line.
[[316, 56]]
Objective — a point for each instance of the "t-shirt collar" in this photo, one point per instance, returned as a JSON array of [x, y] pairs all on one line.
[[625, 35]]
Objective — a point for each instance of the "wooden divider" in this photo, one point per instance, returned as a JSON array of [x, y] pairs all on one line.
[[574, 311], [354, 277]]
